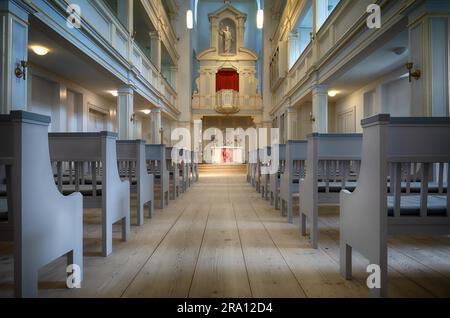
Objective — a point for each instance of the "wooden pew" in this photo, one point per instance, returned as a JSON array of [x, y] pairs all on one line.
[[332, 164], [194, 166], [43, 224], [155, 155], [183, 168], [102, 188], [294, 169], [174, 172], [188, 159], [252, 160], [132, 165], [370, 213], [265, 160], [274, 179]]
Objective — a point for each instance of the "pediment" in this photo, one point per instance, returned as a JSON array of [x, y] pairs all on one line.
[[227, 9], [243, 54]]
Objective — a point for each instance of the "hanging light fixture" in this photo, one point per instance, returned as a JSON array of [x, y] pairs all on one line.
[[260, 19], [189, 19], [39, 49]]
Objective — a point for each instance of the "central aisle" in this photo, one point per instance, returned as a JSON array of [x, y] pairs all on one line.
[[221, 239]]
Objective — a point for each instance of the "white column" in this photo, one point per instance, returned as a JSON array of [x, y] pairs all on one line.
[[428, 51], [13, 54], [291, 122], [125, 120], [320, 108], [156, 126], [155, 49]]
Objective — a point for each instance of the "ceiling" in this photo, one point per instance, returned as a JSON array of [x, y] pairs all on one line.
[[67, 61], [381, 61]]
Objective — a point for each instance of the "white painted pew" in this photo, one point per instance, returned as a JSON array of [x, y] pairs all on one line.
[[172, 158], [265, 161], [106, 190], [43, 224], [370, 214], [332, 165], [132, 165], [194, 166], [274, 179], [257, 173], [155, 154], [294, 169], [183, 168], [252, 159]]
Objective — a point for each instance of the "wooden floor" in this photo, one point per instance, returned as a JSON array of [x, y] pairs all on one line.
[[221, 239]]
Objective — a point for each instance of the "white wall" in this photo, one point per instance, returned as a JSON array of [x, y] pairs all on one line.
[[67, 103], [388, 94]]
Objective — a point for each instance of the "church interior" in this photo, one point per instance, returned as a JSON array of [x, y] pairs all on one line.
[[224, 149]]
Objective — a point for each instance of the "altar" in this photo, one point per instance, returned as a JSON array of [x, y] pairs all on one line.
[[227, 155]]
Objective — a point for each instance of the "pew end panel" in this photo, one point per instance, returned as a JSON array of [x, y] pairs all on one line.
[[131, 159], [99, 151], [294, 170], [332, 164], [155, 155], [376, 207], [42, 223]]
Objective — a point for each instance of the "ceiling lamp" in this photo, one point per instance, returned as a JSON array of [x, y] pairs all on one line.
[[260, 19], [332, 93], [146, 111], [114, 93], [189, 19], [40, 50]]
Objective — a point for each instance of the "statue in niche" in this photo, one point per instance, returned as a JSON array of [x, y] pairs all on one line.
[[227, 39]]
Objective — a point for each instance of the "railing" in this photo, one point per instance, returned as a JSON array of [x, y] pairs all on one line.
[[227, 99], [224, 98], [343, 23], [104, 24], [146, 68]]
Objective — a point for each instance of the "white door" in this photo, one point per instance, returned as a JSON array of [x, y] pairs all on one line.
[[73, 111], [97, 120], [346, 121]]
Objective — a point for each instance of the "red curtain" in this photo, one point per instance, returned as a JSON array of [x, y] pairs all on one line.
[[227, 79]]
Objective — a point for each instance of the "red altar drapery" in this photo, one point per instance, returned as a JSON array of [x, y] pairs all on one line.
[[227, 79], [227, 155]]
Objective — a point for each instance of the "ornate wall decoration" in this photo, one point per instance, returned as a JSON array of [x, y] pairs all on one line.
[[227, 52]]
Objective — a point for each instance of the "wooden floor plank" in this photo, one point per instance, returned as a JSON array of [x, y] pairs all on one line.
[[316, 272], [168, 273], [221, 270], [268, 272], [221, 239]]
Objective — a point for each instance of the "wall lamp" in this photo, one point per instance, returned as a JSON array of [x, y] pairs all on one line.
[[21, 70], [415, 74], [311, 117]]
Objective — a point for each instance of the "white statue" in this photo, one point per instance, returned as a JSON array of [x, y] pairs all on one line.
[[227, 39]]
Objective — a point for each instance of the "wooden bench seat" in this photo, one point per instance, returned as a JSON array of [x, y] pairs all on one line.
[[97, 153], [332, 164], [294, 169], [131, 156], [155, 156], [42, 223], [410, 206], [372, 211]]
